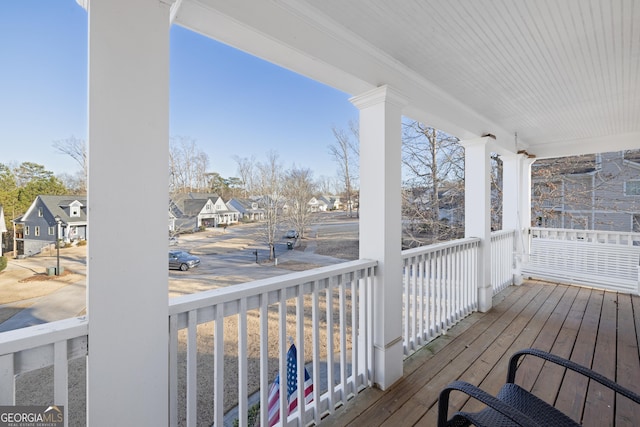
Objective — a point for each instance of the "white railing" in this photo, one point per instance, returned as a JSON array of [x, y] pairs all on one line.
[[226, 345], [600, 259], [440, 288], [502, 259], [39, 349], [592, 236]]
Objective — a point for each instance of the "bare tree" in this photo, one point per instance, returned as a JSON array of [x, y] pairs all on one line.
[[433, 167], [326, 185], [299, 188], [76, 148], [187, 166], [76, 183], [345, 151], [268, 184], [497, 173], [246, 168]]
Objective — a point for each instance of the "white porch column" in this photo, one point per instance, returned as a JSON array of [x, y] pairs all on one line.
[[516, 203], [380, 222], [127, 294], [477, 211]]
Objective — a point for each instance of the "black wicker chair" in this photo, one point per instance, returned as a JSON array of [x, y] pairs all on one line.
[[514, 406]]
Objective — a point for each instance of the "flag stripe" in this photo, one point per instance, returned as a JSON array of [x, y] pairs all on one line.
[[292, 388]]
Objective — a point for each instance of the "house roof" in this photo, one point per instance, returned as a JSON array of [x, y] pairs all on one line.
[[193, 207], [586, 164], [58, 206], [559, 75], [573, 165], [190, 204], [243, 205], [632, 156]]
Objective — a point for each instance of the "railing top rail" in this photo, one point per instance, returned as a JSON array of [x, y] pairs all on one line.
[[439, 246], [186, 303], [580, 231], [501, 232], [45, 334]]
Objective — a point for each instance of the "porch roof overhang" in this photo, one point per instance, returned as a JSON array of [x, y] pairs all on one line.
[[560, 75]]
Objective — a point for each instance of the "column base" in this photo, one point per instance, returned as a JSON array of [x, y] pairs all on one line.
[[388, 364], [485, 299]]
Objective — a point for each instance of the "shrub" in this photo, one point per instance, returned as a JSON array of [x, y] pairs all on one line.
[[253, 416], [3, 262], [82, 243]]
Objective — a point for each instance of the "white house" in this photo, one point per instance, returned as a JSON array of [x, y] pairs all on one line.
[[194, 210]]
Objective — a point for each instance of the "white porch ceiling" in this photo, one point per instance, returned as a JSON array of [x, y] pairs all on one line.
[[563, 75]]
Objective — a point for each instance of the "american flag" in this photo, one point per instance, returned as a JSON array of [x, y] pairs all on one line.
[[292, 388]]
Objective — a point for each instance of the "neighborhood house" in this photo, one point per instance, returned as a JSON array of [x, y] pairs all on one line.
[[50, 218]]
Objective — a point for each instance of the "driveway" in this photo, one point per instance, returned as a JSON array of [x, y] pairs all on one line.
[[28, 296]]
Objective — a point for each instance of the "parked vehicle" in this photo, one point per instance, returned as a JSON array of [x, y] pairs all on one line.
[[291, 234], [181, 260]]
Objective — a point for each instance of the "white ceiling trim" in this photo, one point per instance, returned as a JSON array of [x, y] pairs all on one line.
[[588, 145]]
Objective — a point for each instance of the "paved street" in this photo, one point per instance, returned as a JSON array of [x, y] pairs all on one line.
[[228, 257]]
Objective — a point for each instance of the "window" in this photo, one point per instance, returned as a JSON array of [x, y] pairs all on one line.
[[26, 230], [37, 231], [579, 222], [52, 231], [632, 188], [40, 212]]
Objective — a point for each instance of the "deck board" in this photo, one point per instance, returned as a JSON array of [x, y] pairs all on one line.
[[599, 407], [592, 327], [570, 398], [628, 367]]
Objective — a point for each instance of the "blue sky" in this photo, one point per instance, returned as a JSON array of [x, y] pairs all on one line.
[[229, 102]]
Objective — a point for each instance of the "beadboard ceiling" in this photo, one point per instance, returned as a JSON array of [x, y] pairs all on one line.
[[562, 75]]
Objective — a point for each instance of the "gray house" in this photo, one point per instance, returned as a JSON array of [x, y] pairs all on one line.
[[48, 218], [598, 192]]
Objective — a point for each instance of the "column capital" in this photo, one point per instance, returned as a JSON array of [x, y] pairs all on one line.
[[521, 156], [173, 4], [379, 95], [477, 142]]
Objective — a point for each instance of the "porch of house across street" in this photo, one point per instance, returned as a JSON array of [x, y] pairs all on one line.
[[559, 76]]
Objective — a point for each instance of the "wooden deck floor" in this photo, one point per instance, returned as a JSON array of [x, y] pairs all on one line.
[[591, 327]]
